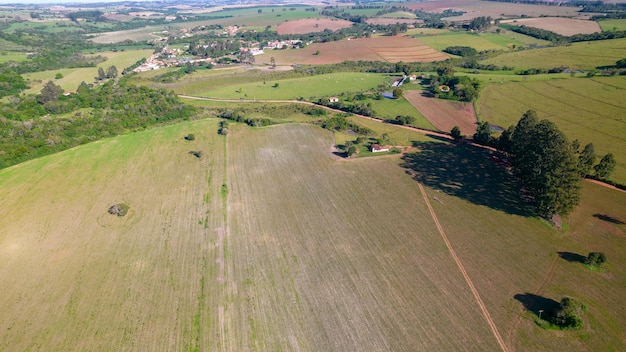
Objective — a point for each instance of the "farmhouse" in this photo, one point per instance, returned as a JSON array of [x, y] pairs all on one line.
[[333, 99], [377, 148]]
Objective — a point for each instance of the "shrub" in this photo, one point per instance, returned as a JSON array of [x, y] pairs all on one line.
[[595, 259], [120, 209], [568, 314], [190, 137]]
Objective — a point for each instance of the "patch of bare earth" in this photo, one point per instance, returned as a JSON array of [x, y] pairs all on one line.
[[389, 49], [562, 26], [311, 25], [444, 114]]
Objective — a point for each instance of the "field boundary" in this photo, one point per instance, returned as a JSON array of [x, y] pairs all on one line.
[[468, 280]]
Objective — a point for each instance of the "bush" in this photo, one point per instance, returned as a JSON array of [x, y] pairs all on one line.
[[568, 314], [120, 209], [595, 259], [190, 137]]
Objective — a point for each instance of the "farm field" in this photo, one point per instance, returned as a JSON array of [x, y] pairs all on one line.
[[562, 26], [444, 114], [476, 8], [312, 87], [613, 25], [227, 252], [72, 77], [387, 20], [390, 49], [590, 110], [304, 26], [6, 56], [582, 56], [478, 42]]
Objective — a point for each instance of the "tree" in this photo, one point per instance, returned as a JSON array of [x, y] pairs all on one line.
[[621, 63], [586, 159], [605, 167], [546, 165], [101, 74], [59, 75], [504, 142], [397, 93], [568, 314], [111, 72], [483, 133], [445, 71], [596, 259], [352, 150], [273, 62], [456, 133], [49, 92]]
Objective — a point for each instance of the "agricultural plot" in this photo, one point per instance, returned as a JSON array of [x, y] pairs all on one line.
[[313, 87], [581, 56], [476, 8], [268, 242], [304, 26], [590, 110], [444, 114], [6, 56], [613, 25], [72, 77], [562, 26], [478, 42], [390, 49], [387, 21]]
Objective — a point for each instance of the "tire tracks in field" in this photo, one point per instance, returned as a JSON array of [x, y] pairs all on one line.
[[468, 280], [511, 337]]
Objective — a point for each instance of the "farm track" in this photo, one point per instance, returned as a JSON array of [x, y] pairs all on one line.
[[468, 280], [417, 129]]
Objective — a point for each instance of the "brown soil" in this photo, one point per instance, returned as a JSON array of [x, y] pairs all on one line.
[[444, 114], [563, 26], [311, 25]]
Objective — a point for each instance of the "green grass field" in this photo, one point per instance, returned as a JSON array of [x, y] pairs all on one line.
[[587, 109], [441, 39], [613, 25], [312, 87], [6, 56], [269, 228], [72, 77], [583, 56]]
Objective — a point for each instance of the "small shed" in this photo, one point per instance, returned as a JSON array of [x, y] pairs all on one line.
[[333, 99], [377, 148]]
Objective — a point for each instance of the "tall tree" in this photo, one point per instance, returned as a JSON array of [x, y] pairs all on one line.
[[483, 133], [545, 162], [586, 159], [111, 72], [605, 167], [101, 74], [49, 92]]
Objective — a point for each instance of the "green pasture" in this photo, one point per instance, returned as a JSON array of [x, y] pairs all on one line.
[[475, 41], [588, 109], [361, 12], [399, 14], [582, 56], [46, 26], [506, 36], [313, 87], [390, 108], [6, 56], [10, 46], [269, 16], [72, 77], [613, 25]]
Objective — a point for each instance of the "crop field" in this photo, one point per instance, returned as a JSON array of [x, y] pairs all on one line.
[[583, 56], [476, 8], [444, 114], [312, 87], [72, 77], [6, 56], [590, 110], [390, 49], [613, 25], [304, 26], [269, 242], [478, 42], [390, 108], [386, 21], [562, 26]]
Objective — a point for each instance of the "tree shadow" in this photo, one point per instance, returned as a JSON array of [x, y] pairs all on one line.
[[609, 218], [535, 303], [572, 257], [467, 172]]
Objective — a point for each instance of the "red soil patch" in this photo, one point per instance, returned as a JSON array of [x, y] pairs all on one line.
[[444, 114], [387, 21], [563, 26], [390, 49], [311, 25]]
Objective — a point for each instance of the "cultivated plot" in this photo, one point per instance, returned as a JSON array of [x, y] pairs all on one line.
[[444, 114]]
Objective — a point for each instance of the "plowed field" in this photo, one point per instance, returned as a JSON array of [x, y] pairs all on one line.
[[563, 26], [311, 25], [444, 114], [390, 49]]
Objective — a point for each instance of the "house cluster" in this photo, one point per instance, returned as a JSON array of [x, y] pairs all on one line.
[[280, 44], [166, 58]]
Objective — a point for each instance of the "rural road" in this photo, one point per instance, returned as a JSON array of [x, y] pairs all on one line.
[[417, 129], [468, 280]]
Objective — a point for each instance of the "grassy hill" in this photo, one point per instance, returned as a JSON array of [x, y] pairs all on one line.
[[269, 242]]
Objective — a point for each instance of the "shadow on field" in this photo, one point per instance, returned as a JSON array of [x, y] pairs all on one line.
[[467, 172], [572, 257], [608, 218], [534, 303]]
